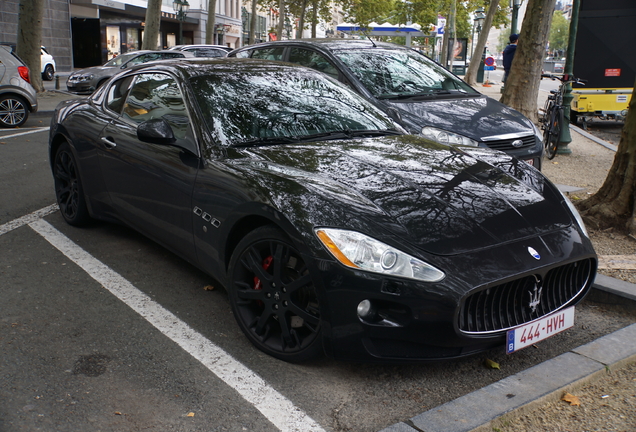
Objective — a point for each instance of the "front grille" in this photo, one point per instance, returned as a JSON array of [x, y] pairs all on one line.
[[523, 300], [506, 144]]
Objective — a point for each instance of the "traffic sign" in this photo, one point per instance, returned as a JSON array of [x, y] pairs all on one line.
[[489, 61]]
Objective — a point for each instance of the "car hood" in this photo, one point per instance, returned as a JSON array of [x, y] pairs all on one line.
[[474, 117], [96, 70], [441, 199]]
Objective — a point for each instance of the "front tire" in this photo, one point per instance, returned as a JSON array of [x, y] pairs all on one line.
[[48, 73], [68, 187], [273, 298], [13, 111]]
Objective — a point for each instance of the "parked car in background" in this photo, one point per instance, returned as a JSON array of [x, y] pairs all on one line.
[[204, 50], [17, 96], [416, 92], [48, 64], [332, 231], [558, 68], [86, 81]]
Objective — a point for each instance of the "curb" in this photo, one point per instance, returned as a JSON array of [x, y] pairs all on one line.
[[544, 382]]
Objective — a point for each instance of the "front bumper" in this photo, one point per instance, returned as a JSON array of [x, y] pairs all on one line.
[[417, 321]]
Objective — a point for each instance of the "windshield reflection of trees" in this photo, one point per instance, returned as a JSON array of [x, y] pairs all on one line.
[[243, 107], [399, 71]]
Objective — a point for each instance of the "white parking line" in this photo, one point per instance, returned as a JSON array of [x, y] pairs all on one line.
[[40, 129], [275, 407], [25, 220]]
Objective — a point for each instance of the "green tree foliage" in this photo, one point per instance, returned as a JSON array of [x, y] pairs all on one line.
[[559, 31]]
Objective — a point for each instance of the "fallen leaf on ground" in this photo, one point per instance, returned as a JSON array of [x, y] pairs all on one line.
[[117, 413], [208, 287], [491, 364], [573, 400], [190, 414]]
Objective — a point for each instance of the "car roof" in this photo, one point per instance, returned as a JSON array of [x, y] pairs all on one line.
[[197, 66], [330, 44]]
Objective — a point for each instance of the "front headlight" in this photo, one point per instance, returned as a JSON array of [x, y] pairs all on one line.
[[446, 137], [576, 214], [359, 251]]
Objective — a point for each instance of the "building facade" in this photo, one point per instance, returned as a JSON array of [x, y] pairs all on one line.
[[82, 33]]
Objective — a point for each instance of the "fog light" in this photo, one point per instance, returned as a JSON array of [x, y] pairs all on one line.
[[365, 309]]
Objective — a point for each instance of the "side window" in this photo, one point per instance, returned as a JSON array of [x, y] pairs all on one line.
[[117, 94], [313, 60], [154, 96], [207, 52], [243, 54], [173, 55], [143, 59], [268, 53]]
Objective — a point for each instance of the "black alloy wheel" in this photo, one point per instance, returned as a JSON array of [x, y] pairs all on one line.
[[48, 73], [13, 111], [68, 187], [273, 298]]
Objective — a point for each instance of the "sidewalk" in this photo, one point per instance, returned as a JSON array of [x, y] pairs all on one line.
[[475, 411]]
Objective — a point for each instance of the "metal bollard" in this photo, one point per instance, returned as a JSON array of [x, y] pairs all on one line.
[[57, 82]]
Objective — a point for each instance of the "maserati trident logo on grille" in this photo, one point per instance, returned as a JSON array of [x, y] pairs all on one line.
[[517, 143], [534, 253], [535, 295]]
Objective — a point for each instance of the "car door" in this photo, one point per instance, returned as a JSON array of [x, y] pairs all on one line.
[[150, 185]]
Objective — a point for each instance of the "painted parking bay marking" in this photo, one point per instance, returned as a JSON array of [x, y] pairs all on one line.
[[36, 130], [275, 407]]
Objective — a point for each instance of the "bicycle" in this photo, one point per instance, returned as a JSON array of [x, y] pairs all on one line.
[[552, 119]]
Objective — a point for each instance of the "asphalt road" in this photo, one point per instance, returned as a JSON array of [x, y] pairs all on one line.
[[103, 330]]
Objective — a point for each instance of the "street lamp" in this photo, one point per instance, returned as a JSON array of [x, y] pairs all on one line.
[[288, 27], [515, 5], [181, 9], [480, 16]]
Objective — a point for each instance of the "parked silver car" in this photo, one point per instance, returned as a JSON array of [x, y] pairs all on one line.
[[86, 81], [17, 96]]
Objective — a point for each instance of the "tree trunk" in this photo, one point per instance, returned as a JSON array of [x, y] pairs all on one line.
[[314, 18], [281, 19], [151, 29], [209, 26], [522, 86], [252, 36], [475, 61], [301, 20], [614, 203], [30, 39]]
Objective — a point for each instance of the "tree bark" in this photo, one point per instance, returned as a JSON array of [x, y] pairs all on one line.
[[209, 26], [281, 19], [522, 86], [314, 18], [614, 204], [30, 39], [475, 61], [301, 20], [252, 36], [151, 28]]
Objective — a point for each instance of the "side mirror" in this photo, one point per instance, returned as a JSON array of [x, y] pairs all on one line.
[[156, 131]]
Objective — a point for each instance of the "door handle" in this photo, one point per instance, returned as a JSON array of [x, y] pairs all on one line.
[[108, 143]]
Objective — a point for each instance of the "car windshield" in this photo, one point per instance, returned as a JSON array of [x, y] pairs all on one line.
[[120, 59], [283, 106], [400, 73]]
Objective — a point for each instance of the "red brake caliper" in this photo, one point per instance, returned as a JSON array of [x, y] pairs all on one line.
[[266, 263]]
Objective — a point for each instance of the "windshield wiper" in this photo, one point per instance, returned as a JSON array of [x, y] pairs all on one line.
[[425, 94]]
